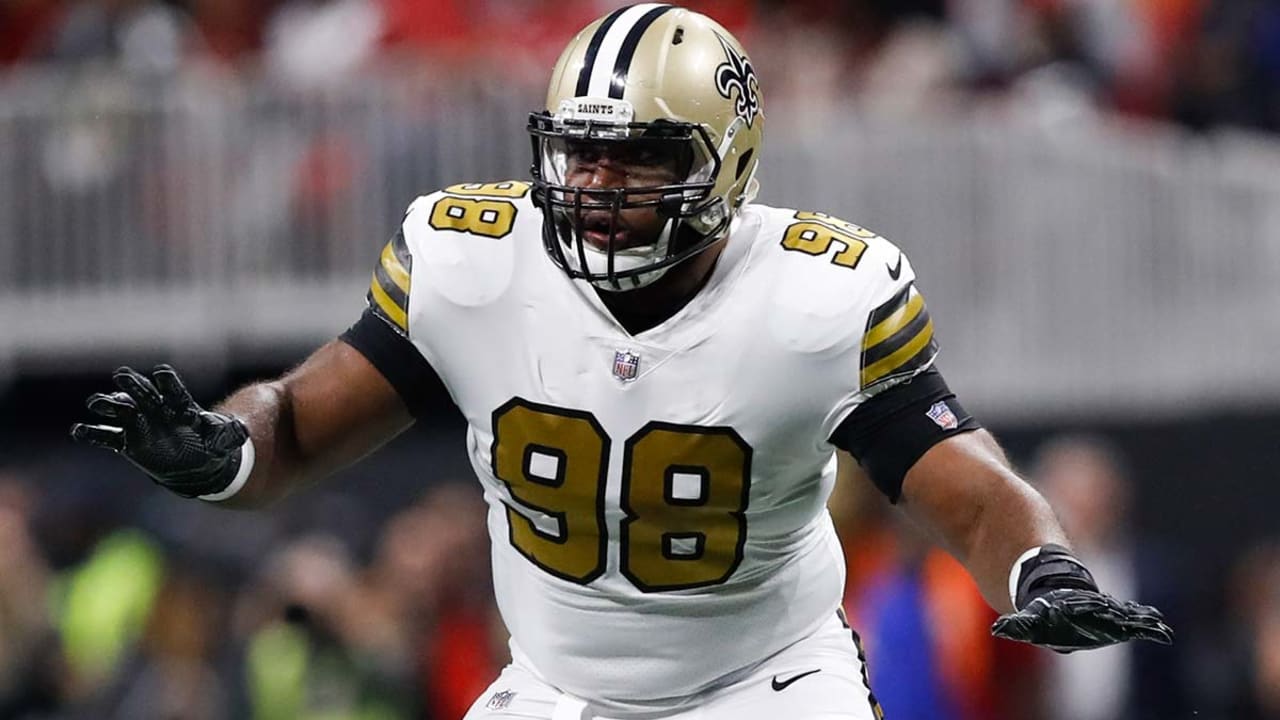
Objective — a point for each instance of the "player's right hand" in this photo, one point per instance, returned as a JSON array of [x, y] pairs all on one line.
[[158, 427]]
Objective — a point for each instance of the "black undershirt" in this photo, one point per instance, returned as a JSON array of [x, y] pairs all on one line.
[[890, 432], [399, 362]]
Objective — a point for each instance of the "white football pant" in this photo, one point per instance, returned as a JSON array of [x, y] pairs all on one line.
[[818, 678]]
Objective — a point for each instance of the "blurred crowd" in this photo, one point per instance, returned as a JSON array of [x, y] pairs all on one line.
[[1199, 62], [283, 616], [137, 134], [135, 605]]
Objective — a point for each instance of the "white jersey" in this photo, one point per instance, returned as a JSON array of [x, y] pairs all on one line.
[[657, 501]]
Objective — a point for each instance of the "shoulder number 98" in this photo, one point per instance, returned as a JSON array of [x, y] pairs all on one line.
[[684, 496], [476, 208], [816, 232]]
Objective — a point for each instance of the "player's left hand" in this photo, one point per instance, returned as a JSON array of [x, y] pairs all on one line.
[[1073, 619]]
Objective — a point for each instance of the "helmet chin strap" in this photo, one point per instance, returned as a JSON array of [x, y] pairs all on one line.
[[598, 262]]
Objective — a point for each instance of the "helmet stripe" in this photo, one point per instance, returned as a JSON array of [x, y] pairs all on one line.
[[593, 48], [612, 36], [618, 83]]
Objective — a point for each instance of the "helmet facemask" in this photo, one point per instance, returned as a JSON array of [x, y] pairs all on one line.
[[655, 73], [692, 218]]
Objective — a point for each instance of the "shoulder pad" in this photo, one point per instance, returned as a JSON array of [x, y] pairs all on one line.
[[455, 243], [464, 238], [831, 274]]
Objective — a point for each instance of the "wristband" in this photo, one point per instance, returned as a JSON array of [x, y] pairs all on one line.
[[1044, 568], [1016, 572], [242, 475]]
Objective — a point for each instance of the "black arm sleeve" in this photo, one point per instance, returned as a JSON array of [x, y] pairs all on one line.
[[399, 361], [891, 431]]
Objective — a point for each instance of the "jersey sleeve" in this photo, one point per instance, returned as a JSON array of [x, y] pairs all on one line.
[[898, 341], [389, 289], [893, 334], [382, 332]]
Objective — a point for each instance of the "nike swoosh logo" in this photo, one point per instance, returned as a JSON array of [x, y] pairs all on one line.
[[783, 685], [896, 271]]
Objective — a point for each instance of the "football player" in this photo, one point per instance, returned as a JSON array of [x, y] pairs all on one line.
[[655, 373]]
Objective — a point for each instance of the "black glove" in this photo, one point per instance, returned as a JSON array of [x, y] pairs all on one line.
[[1060, 607], [159, 428], [1070, 619]]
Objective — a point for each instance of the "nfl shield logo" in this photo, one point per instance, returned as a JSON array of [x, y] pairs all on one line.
[[500, 700], [626, 365], [942, 416]]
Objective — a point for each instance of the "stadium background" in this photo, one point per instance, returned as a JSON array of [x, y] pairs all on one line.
[[1088, 189]]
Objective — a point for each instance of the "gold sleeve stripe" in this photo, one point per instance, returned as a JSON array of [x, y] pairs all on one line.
[[899, 316], [396, 272], [910, 356], [400, 248], [899, 337], [385, 306], [389, 289], [873, 353]]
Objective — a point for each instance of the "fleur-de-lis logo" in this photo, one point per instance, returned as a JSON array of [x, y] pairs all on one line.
[[737, 73]]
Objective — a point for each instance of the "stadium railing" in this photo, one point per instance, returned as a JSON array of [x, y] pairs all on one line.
[[1094, 265]]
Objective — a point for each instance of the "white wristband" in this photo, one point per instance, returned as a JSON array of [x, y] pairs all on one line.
[[242, 476], [1016, 573]]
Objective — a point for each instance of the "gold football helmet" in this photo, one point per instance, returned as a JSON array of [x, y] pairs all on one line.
[[659, 76]]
